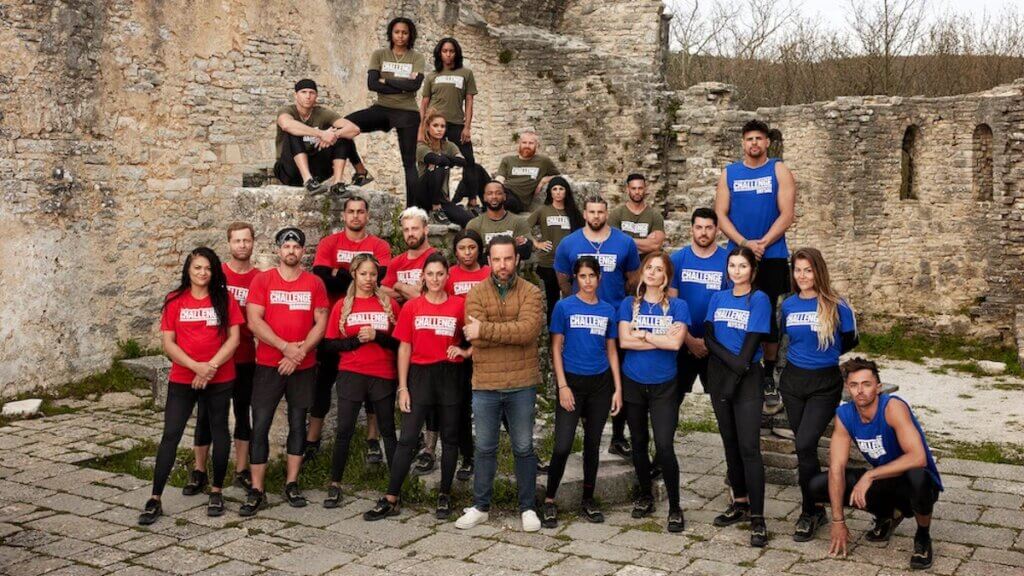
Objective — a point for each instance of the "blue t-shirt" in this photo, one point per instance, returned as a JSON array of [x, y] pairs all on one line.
[[586, 328], [617, 255], [877, 440], [697, 279], [652, 366], [800, 323], [754, 204], [735, 316]]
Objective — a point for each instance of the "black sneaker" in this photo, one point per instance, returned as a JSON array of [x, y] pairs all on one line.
[[465, 472], [549, 515], [253, 502], [675, 521], [444, 507], [215, 507], [643, 506], [425, 463], [439, 217], [883, 528], [314, 186], [151, 512], [309, 454], [475, 209], [736, 512], [590, 511], [243, 480], [922, 558], [333, 499], [294, 496], [542, 468], [758, 532], [621, 449], [382, 510], [808, 524], [340, 190], [361, 178], [373, 453], [772, 399], [197, 481]]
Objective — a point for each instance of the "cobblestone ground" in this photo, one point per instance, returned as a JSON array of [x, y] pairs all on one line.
[[59, 518]]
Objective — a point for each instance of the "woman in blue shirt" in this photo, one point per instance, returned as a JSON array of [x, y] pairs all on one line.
[[820, 326], [652, 327], [587, 374], [737, 320]]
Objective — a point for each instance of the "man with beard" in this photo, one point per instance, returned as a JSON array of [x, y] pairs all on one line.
[[525, 173], [333, 255], [620, 261], [404, 278], [756, 204], [637, 219], [287, 311], [498, 221]]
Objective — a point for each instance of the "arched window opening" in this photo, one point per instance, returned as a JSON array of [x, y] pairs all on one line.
[[775, 149], [908, 164], [982, 162]]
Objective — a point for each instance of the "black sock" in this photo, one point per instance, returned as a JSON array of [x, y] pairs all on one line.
[[923, 533]]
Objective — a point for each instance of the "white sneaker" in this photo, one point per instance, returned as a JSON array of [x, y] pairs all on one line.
[[472, 517], [531, 523]]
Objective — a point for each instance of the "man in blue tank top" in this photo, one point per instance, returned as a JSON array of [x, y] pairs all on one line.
[[902, 480], [756, 204]]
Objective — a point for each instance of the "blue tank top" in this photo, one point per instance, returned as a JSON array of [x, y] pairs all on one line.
[[754, 204], [877, 439]]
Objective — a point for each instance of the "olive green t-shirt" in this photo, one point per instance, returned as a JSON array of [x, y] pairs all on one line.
[[447, 91], [405, 68], [554, 225], [447, 148], [636, 226], [320, 118], [509, 225], [521, 176]]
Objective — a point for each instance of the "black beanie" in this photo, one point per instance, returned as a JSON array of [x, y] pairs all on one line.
[[304, 84]]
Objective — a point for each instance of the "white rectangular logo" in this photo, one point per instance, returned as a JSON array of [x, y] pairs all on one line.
[[452, 79], [441, 325], [710, 279], [410, 277], [240, 294], [558, 222], [809, 319], [293, 300], [401, 70], [208, 315], [872, 447], [375, 320], [637, 228], [598, 325], [492, 235], [762, 185], [606, 261], [346, 256], [733, 318], [529, 171], [654, 324], [463, 288]]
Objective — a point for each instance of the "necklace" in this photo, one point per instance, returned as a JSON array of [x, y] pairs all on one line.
[[397, 59]]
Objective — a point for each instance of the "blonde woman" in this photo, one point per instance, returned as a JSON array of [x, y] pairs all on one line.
[[434, 158]]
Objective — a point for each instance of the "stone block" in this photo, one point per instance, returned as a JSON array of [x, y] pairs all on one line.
[[154, 370], [22, 408]]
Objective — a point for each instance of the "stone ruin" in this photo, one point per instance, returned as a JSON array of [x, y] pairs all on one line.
[[134, 131]]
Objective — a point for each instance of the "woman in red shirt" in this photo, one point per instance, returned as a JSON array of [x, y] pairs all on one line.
[[359, 331], [429, 360], [199, 330]]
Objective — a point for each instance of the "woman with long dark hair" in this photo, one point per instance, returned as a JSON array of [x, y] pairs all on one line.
[[821, 327], [199, 330], [557, 218], [738, 318], [435, 156]]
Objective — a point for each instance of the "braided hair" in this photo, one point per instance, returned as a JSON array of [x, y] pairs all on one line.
[[350, 297]]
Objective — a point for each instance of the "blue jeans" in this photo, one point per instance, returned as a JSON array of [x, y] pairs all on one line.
[[518, 406]]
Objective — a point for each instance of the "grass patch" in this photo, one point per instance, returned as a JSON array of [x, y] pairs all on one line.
[[964, 396], [649, 526], [984, 452], [128, 349], [704, 425], [901, 344]]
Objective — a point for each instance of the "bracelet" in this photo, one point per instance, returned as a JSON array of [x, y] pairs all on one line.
[[563, 387], [839, 521], [403, 389], [213, 365]]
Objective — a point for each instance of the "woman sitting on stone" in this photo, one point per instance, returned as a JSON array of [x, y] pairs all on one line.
[[434, 158]]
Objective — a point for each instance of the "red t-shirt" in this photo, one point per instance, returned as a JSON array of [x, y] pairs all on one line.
[[406, 271], [238, 285], [288, 309], [371, 358], [197, 332], [431, 328], [337, 251], [460, 281]]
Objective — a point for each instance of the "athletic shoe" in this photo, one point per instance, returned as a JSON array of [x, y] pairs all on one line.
[[883, 528], [243, 480], [314, 186], [676, 523], [361, 178], [475, 209], [373, 453], [808, 524], [215, 506], [196, 483], [758, 532], [294, 496], [736, 512], [425, 463], [590, 511], [439, 217], [151, 512], [643, 506], [772, 399], [253, 502], [549, 513], [531, 523], [471, 517], [465, 472], [333, 499], [542, 467], [922, 558], [621, 449], [340, 190], [309, 454], [382, 510], [444, 507]]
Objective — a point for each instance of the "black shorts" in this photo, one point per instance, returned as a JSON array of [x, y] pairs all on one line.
[[378, 118], [299, 388], [637, 393], [773, 278], [356, 387], [435, 384], [724, 383], [803, 383]]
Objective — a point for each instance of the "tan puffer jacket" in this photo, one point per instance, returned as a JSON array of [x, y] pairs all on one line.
[[505, 354]]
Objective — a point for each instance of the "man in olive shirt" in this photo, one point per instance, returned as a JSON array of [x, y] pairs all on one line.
[[637, 219], [497, 221], [525, 173], [309, 151]]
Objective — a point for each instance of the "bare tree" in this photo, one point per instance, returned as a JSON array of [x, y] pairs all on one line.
[[888, 31], [694, 31]]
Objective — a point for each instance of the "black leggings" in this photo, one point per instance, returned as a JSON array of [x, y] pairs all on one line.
[[430, 192], [321, 162], [739, 424], [810, 398], [658, 401], [215, 401], [449, 420], [913, 492], [348, 412], [465, 413], [269, 387], [241, 402], [551, 290], [326, 374], [406, 123], [593, 397], [453, 134]]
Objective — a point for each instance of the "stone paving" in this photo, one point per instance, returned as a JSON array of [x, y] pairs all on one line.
[[59, 518]]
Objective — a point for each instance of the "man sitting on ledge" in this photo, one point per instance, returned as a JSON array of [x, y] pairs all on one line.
[[902, 480], [525, 173]]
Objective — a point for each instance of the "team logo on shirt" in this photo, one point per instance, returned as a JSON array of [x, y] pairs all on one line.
[[809, 319], [653, 324], [558, 222], [398, 69], [491, 235], [346, 256], [529, 171], [872, 447], [375, 320], [711, 279], [450, 79], [240, 294], [208, 315], [410, 277], [293, 300], [463, 288], [607, 261], [598, 325], [762, 185], [441, 325], [638, 228], [733, 318]]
